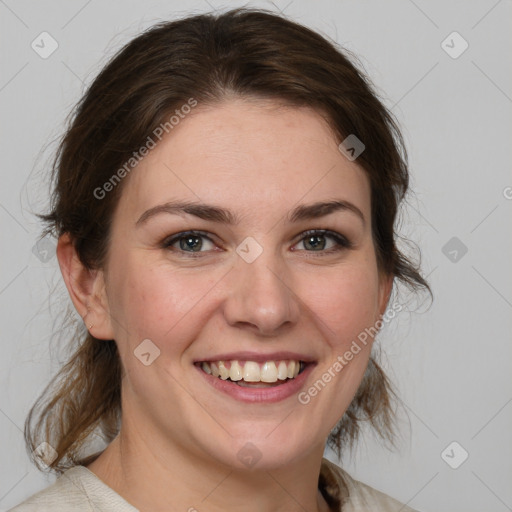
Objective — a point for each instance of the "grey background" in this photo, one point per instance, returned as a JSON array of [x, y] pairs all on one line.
[[451, 363]]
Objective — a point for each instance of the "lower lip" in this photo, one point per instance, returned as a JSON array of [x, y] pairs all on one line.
[[266, 395]]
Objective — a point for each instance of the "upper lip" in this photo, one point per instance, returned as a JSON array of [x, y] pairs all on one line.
[[258, 357]]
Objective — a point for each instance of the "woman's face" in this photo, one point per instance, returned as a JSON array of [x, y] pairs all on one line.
[[269, 275]]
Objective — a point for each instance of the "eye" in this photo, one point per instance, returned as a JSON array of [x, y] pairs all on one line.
[[316, 240], [323, 241], [189, 241]]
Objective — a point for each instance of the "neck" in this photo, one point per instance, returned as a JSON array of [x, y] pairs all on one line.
[[152, 478]]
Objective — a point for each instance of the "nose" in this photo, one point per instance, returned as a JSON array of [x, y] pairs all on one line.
[[261, 297]]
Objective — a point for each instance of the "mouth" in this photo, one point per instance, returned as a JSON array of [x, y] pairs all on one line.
[[252, 374]]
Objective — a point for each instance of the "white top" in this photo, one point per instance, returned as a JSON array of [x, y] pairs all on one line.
[[78, 490]]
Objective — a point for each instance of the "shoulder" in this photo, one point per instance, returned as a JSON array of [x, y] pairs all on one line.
[[356, 496], [77, 489], [67, 493]]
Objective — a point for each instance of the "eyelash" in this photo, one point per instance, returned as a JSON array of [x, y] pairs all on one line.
[[342, 243]]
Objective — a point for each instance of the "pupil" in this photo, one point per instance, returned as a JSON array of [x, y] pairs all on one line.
[[190, 242], [315, 242]]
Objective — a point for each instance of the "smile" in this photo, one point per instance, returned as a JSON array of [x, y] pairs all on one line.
[[251, 373], [250, 381]]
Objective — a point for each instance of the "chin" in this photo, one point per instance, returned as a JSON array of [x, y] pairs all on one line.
[[261, 451]]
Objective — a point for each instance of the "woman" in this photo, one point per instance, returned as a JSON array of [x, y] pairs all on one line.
[[225, 198]]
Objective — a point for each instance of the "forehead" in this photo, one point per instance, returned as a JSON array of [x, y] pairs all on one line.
[[246, 154]]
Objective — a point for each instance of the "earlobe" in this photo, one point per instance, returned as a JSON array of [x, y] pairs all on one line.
[[86, 288]]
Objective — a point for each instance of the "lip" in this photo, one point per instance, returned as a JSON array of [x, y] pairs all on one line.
[[263, 395], [257, 357]]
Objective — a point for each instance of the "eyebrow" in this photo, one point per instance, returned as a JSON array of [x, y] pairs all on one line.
[[222, 215]]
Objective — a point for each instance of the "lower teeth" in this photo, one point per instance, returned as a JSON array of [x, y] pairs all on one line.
[[244, 384]]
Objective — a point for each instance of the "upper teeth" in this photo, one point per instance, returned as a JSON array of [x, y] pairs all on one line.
[[250, 371]]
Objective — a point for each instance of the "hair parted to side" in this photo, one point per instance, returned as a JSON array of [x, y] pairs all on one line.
[[248, 53]]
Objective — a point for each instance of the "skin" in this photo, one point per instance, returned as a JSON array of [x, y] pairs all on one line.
[[180, 437]]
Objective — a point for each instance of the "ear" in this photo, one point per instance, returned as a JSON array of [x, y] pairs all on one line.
[[86, 288], [385, 287]]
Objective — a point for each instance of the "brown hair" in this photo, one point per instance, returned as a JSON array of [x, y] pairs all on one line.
[[246, 53]]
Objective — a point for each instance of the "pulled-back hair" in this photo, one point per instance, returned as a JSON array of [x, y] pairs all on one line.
[[240, 53]]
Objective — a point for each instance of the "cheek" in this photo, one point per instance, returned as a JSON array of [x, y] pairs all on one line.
[[346, 302], [151, 301]]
